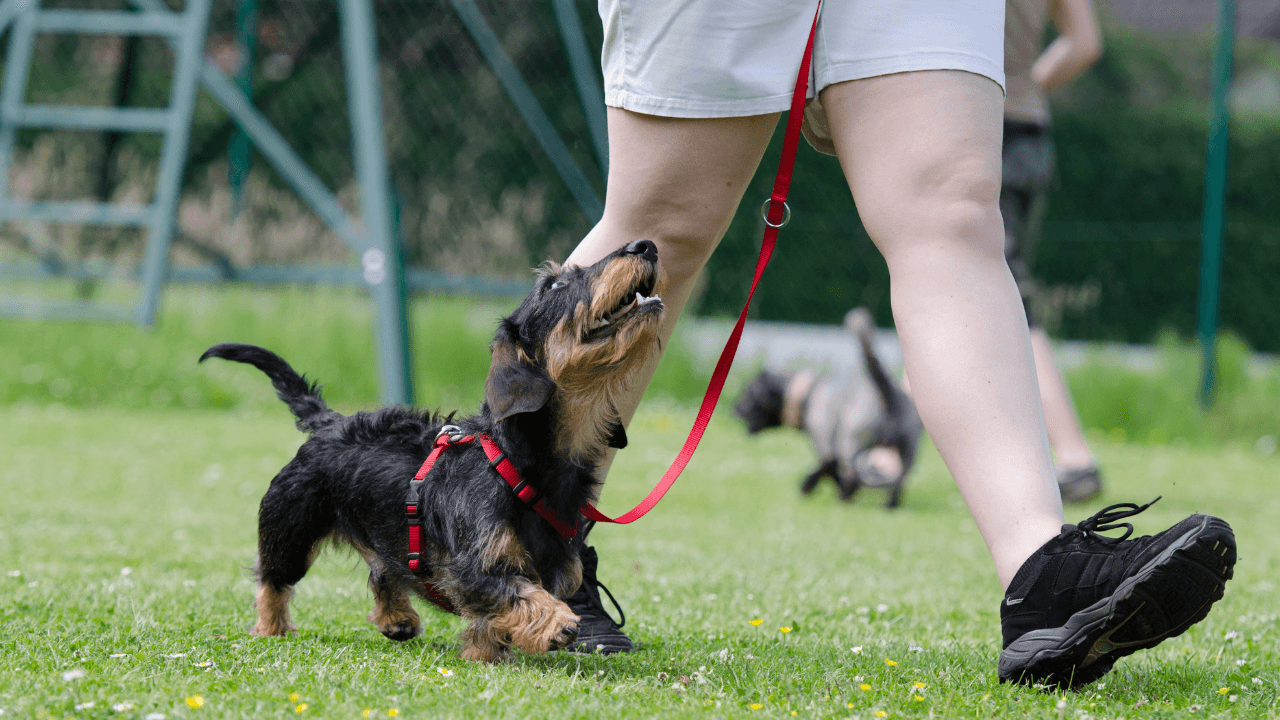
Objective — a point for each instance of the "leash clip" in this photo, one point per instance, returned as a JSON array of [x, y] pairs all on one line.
[[767, 207]]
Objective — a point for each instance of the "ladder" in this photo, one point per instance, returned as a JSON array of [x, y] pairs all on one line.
[[185, 32]]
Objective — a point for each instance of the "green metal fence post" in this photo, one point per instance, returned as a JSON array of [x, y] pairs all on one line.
[[1215, 190], [590, 90], [240, 148], [383, 269]]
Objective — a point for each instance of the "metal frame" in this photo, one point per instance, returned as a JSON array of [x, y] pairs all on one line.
[[1214, 217], [375, 242], [186, 31]]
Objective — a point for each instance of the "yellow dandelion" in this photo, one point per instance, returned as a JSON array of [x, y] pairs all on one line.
[[849, 705], [785, 629], [889, 662], [756, 622], [1223, 691], [755, 706], [919, 685], [987, 696], [195, 701], [881, 713], [794, 713], [367, 712], [393, 712], [864, 686], [302, 707], [918, 698], [295, 697]]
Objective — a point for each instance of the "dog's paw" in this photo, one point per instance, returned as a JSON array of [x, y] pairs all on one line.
[[272, 629], [401, 631], [565, 637]]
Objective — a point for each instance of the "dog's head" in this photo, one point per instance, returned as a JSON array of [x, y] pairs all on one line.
[[577, 341], [761, 403]]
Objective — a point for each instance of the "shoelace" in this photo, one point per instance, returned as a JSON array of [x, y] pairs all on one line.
[[1105, 519], [600, 604]]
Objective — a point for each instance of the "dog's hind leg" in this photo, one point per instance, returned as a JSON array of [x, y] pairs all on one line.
[[393, 612], [826, 469], [293, 518], [895, 494], [848, 486]]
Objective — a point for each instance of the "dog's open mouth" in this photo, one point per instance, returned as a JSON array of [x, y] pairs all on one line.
[[639, 298]]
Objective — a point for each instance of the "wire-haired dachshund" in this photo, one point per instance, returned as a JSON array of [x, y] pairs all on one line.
[[558, 363]]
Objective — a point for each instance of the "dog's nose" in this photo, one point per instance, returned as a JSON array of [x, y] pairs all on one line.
[[644, 248]]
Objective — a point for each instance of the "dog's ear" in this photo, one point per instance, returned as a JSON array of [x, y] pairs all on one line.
[[514, 385], [617, 436]]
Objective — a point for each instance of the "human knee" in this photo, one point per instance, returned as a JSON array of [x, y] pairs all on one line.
[[952, 204]]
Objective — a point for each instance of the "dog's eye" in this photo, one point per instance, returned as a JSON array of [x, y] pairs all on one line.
[[558, 284]]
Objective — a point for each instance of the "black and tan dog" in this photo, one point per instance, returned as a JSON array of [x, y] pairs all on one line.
[[848, 419], [558, 362]]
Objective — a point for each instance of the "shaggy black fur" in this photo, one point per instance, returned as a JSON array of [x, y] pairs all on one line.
[[349, 480]]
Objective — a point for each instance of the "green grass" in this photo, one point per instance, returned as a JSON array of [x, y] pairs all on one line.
[[326, 332], [131, 531]]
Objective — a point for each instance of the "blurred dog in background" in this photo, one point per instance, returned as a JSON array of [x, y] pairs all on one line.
[[864, 428]]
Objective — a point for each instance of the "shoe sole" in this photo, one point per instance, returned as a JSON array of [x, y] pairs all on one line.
[[1169, 594]]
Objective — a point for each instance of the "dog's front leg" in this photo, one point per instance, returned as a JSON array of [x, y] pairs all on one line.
[[826, 469], [536, 622]]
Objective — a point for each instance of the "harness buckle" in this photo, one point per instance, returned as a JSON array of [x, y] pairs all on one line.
[[453, 432]]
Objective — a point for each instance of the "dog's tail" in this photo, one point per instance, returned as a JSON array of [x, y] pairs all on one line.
[[302, 398], [860, 323]]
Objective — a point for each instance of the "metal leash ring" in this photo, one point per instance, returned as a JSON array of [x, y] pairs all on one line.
[[768, 205]]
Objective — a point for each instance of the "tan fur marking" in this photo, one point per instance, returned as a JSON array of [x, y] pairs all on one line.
[[536, 623], [273, 612], [570, 580], [392, 604], [505, 551]]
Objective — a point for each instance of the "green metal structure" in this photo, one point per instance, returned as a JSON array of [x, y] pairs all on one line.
[[374, 239], [1214, 218]]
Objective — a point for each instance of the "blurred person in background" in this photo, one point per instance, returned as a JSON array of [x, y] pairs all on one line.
[[1032, 71]]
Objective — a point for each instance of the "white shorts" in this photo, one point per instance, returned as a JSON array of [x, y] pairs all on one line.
[[730, 58]]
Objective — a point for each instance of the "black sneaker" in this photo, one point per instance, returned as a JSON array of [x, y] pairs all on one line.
[[597, 631], [1080, 484], [1083, 601]]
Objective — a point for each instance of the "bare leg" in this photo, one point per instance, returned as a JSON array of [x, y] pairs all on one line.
[[1065, 435], [921, 152], [678, 183]]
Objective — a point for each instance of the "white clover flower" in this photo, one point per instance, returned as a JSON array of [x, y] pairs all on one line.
[[882, 608], [15, 573], [1231, 635], [126, 571], [1257, 681], [1241, 662]]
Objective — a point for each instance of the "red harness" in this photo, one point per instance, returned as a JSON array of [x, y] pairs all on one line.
[[451, 435], [776, 214]]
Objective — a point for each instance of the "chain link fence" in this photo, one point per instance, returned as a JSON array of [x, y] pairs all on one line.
[[478, 196]]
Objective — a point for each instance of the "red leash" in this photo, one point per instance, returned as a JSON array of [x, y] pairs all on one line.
[[777, 215]]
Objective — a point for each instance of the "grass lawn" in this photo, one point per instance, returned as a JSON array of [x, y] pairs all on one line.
[[126, 535]]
